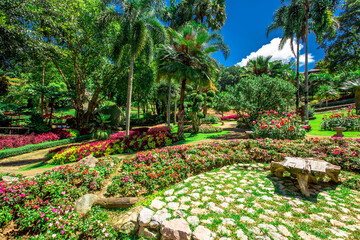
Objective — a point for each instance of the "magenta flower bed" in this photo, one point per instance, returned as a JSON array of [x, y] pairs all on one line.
[[231, 117], [16, 141]]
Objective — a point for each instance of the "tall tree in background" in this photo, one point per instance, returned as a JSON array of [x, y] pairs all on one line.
[[318, 18], [290, 20], [139, 32], [188, 60], [342, 47]]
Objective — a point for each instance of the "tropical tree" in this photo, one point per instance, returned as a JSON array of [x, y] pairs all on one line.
[[139, 32], [289, 19], [354, 85], [188, 60], [343, 46], [318, 18], [326, 92], [260, 65]]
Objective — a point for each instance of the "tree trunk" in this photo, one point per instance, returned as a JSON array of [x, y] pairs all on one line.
[[306, 68], [128, 103], [169, 106], [42, 84], [181, 111], [298, 75], [357, 100], [175, 111]]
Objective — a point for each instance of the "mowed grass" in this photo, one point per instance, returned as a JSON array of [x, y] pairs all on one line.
[[316, 129], [189, 137]]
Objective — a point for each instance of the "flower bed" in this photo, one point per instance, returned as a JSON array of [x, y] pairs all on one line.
[[204, 129], [159, 168], [230, 118], [16, 141], [118, 143], [42, 207], [351, 121], [278, 126]]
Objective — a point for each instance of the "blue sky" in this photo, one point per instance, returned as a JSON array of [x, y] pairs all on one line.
[[245, 33]]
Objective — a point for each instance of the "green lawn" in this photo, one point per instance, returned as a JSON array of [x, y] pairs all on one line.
[[316, 130], [200, 136], [39, 165]]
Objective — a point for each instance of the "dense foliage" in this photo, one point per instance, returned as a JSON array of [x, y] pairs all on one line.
[[148, 171], [278, 126], [204, 129], [43, 208], [254, 94]]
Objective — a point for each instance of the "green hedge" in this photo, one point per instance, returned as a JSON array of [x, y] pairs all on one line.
[[34, 147]]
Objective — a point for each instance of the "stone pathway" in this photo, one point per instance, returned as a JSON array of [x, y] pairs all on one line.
[[246, 202]]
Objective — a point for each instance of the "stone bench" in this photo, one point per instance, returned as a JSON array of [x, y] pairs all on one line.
[[306, 170]]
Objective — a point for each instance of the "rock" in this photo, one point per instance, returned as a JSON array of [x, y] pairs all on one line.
[[202, 233], [195, 195], [173, 206], [176, 229], [154, 225], [284, 231], [247, 220], [193, 220], [179, 214], [147, 234], [161, 216], [145, 217], [128, 222], [306, 236], [212, 207], [170, 199], [90, 161], [169, 192], [197, 211], [156, 204], [240, 235], [10, 179], [337, 223], [84, 204]]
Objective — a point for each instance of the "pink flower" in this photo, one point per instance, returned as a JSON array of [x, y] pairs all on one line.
[[104, 229], [62, 232], [63, 193]]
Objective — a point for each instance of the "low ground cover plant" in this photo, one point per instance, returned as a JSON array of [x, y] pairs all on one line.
[[349, 120], [271, 124], [43, 207], [138, 140], [204, 129], [153, 170]]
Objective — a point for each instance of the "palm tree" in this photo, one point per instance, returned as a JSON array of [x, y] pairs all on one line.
[[289, 19], [355, 86], [188, 60], [326, 92], [260, 65], [139, 32], [318, 17]]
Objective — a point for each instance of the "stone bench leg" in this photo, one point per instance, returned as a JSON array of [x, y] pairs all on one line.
[[304, 184], [333, 175]]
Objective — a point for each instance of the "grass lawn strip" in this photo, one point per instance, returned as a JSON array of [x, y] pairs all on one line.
[[241, 202]]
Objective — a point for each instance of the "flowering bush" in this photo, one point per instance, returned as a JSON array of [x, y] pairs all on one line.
[[43, 206], [118, 143], [271, 124], [351, 121], [204, 129], [152, 170], [16, 141], [229, 118]]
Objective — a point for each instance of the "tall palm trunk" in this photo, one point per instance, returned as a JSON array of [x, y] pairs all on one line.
[[128, 103], [181, 111], [169, 106], [42, 84], [306, 66], [298, 74]]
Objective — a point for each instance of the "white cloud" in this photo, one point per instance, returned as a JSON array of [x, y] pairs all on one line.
[[272, 49]]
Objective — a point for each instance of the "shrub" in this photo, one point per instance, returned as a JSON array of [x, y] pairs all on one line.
[[211, 119], [230, 118], [37, 124], [278, 126], [263, 93], [43, 206], [157, 169], [204, 129], [118, 144], [351, 121]]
